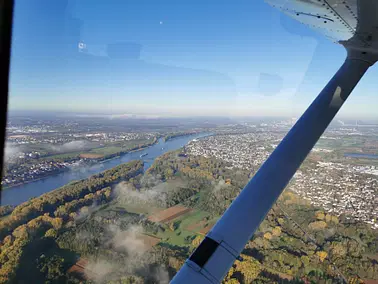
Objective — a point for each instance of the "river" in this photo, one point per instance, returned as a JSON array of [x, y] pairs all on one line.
[[361, 155], [18, 194]]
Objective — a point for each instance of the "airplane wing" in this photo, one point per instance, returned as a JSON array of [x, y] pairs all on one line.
[[352, 23], [335, 19]]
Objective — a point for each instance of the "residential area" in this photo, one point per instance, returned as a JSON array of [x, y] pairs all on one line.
[[343, 187]]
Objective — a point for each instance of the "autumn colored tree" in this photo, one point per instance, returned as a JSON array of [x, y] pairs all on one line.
[[322, 255], [249, 268], [268, 236], [276, 231], [51, 233], [197, 240], [320, 215]]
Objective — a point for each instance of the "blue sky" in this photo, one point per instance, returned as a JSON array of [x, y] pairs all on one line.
[[197, 57]]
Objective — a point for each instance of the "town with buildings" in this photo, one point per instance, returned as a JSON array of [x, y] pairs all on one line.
[[39, 148], [342, 187], [241, 150], [339, 179], [25, 173], [336, 183]]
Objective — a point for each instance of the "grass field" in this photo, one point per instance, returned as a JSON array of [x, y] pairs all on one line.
[[63, 156], [193, 218], [344, 141], [182, 236], [107, 150], [180, 230], [177, 237], [91, 156], [119, 147], [95, 152], [349, 143], [198, 224], [149, 241]]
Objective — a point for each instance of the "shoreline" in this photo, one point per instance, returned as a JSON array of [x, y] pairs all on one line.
[[178, 135], [33, 180], [157, 140], [68, 169]]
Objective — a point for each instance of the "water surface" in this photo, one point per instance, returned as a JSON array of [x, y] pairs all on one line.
[[18, 194], [361, 155]]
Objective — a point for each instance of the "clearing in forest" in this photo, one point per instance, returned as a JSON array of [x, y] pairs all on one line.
[[169, 214], [201, 227]]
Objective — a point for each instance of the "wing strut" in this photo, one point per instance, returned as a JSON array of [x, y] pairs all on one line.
[[210, 262]]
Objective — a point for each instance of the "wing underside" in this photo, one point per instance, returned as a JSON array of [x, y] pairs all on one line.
[[335, 19]]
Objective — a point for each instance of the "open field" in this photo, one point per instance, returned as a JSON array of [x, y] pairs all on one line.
[[183, 219], [343, 141], [106, 150], [91, 156], [199, 223], [193, 219], [149, 241], [63, 156], [169, 214], [120, 147], [181, 235], [350, 143], [93, 151], [205, 229]]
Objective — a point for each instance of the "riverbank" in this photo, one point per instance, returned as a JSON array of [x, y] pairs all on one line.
[[131, 150], [18, 194], [180, 134], [62, 170], [88, 163]]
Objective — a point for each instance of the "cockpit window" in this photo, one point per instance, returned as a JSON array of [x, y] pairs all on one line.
[[133, 125]]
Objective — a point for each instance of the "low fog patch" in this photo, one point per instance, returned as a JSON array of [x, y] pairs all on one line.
[[162, 194], [11, 152], [221, 184], [72, 146], [125, 193], [129, 240], [100, 269], [85, 211], [133, 260]]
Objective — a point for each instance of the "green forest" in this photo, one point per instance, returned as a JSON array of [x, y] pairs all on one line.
[[128, 226]]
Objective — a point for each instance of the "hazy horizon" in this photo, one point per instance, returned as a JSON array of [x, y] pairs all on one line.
[[95, 114]]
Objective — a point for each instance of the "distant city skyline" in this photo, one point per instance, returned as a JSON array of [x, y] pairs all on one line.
[[240, 58]]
